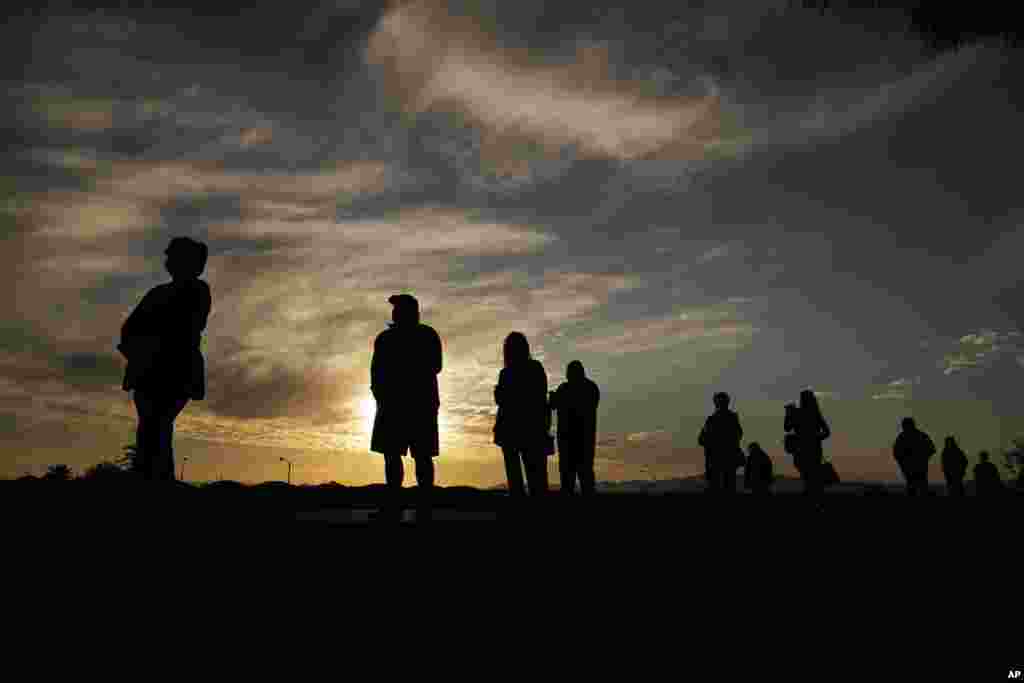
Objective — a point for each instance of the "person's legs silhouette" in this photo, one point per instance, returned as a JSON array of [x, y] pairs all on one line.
[[394, 476], [513, 472], [567, 469], [536, 473], [425, 487]]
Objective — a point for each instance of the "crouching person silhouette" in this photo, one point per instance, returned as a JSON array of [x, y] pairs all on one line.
[[759, 473], [161, 342], [575, 402], [403, 379]]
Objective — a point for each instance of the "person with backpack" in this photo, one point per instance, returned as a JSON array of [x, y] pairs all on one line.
[[808, 430]]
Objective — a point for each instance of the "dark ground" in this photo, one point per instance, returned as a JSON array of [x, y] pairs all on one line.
[[878, 510]]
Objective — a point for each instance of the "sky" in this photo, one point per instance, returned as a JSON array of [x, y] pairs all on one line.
[[694, 198]]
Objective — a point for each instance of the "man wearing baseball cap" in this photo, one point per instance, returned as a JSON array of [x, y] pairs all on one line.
[[403, 379]]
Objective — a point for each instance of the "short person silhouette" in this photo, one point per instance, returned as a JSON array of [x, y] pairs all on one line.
[[161, 342], [575, 402]]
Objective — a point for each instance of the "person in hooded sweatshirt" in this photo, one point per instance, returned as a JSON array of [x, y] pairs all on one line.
[[575, 402], [954, 467], [161, 341]]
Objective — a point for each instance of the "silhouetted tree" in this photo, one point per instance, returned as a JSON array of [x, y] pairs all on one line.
[[104, 470], [58, 473]]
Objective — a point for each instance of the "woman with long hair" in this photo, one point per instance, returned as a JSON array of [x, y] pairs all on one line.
[[524, 419], [810, 429]]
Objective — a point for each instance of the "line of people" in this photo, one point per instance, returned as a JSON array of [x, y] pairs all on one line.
[[805, 431], [161, 342], [407, 358]]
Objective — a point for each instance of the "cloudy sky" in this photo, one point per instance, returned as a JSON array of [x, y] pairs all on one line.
[[687, 200]]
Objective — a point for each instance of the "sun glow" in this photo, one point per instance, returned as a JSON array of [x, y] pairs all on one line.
[[367, 411]]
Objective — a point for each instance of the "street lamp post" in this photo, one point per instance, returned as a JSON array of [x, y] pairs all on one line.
[[289, 469], [184, 459]]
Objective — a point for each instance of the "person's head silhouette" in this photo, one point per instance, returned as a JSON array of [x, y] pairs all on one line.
[[908, 424], [950, 442], [574, 371], [406, 309], [721, 400], [186, 258], [516, 349], [808, 401], [983, 456]]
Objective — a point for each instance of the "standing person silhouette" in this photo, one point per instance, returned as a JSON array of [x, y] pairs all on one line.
[[720, 437], [954, 467], [161, 342], [524, 418], [912, 450], [403, 380], [810, 429], [575, 402]]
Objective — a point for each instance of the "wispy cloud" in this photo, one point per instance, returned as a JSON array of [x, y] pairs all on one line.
[[435, 60], [651, 334], [980, 349]]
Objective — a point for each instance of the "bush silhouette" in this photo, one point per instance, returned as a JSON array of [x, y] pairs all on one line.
[[105, 471], [58, 473]]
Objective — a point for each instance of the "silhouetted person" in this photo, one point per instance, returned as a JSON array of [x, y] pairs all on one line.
[[759, 473], [575, 402], [720, 438], [809, 429], [987, 482], [161, 341], [523, 423], [912, 450], [790, 440], [954, 467], [403, 379]]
